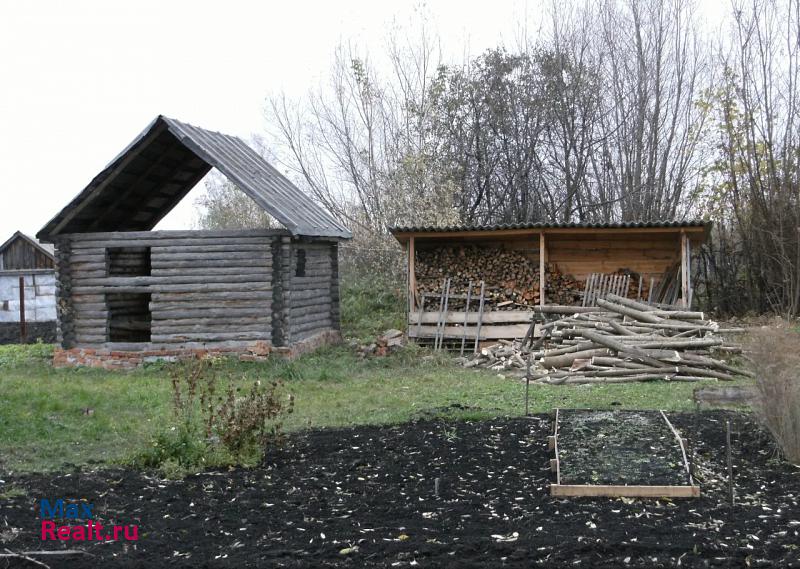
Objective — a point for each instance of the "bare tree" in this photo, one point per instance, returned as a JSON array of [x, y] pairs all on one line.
[[755, 196], [653, 65]]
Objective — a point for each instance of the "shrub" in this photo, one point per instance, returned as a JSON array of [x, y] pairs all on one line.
[[776, 353], [215, 420]]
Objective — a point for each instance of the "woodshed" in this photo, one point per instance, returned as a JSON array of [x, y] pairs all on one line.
[[483, 282]]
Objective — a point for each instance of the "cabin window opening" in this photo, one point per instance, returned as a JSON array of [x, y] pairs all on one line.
[[301, 263], [5, 305], [128, 261], [129, 317]]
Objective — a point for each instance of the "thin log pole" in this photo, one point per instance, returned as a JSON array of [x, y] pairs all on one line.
[[439, 317], [730, 461], [527, 387], [480, 317], [466, 318], [443, 318]]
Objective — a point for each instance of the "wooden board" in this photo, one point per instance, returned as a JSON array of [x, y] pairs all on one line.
[[625, 491], [494, 317], [490, 332]]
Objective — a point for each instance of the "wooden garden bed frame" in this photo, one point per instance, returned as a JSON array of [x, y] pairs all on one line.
[[618, 491]]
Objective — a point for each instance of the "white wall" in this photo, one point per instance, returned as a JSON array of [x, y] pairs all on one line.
[[40, 296]]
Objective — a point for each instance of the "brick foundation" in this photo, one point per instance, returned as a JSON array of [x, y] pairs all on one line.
[[111, 359]]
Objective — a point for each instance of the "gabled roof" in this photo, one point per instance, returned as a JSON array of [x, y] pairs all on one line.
[[46, 250], [141, 185]]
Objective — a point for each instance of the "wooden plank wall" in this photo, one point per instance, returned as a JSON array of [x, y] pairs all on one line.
[[311, 308], [648, 254], [22, 255]]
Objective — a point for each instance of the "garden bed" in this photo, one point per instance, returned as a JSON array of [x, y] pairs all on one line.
[[364, 497], [619, 453]]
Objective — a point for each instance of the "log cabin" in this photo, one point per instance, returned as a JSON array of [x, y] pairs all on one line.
[[497, 274], [127, 294]]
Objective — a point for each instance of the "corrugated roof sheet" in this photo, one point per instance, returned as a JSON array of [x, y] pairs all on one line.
[[153, 173], [546, 225]]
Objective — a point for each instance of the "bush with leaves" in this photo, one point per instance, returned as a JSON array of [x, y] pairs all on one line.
[[218, 420]]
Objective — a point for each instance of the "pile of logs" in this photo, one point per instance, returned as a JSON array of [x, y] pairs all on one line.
[[511, 277], [619, 341]]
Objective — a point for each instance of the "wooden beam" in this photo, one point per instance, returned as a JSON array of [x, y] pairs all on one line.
[[507, 332], [685, 245], [610, 491], [542, 270], [696, 232], [494, 317], [412, 277]]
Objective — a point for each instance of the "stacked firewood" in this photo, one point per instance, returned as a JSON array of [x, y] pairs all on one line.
[[619, 341], [512, 278]]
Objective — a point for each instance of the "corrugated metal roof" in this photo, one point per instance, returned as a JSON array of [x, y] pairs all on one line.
[[546, 225], [261, 181], [163, 163]]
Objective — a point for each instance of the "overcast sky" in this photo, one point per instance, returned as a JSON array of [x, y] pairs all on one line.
[[80, 79]]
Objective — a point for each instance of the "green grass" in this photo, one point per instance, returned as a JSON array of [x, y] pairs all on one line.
[[44, 424]]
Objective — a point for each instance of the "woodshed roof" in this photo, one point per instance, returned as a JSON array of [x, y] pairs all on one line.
[[141, 185], [698, 229]]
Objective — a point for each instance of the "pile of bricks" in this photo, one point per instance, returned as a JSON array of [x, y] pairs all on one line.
[[259, 351]]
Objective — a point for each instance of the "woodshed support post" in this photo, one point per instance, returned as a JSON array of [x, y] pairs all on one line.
[[65, 326], [686, 252], [542, 269], [412, 276]]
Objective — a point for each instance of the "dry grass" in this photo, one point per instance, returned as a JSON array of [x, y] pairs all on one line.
[[775, 351]]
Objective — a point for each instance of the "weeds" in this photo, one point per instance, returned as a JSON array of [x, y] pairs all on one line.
[[370, 307], [21, 354], [776, 355], [218, 421]]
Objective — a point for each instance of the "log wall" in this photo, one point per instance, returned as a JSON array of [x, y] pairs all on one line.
[[203, 287], [312, 277]]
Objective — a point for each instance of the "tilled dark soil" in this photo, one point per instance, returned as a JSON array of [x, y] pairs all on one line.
[[618, 447], [364, 497]]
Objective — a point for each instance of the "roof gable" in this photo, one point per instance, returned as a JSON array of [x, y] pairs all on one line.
[[156, 171], [45, 253]]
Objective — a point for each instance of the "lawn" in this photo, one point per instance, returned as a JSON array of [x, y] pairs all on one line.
[[52, 417]]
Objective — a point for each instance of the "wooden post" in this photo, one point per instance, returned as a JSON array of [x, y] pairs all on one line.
[[684, 270], [412, 276], [688, 270], [542, 261], [23, 329]]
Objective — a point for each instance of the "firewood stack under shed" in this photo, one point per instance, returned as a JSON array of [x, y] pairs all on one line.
[[511, 277], [619, 341]]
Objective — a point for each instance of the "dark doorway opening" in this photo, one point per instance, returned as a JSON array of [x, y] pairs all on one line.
[[129, 317]]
